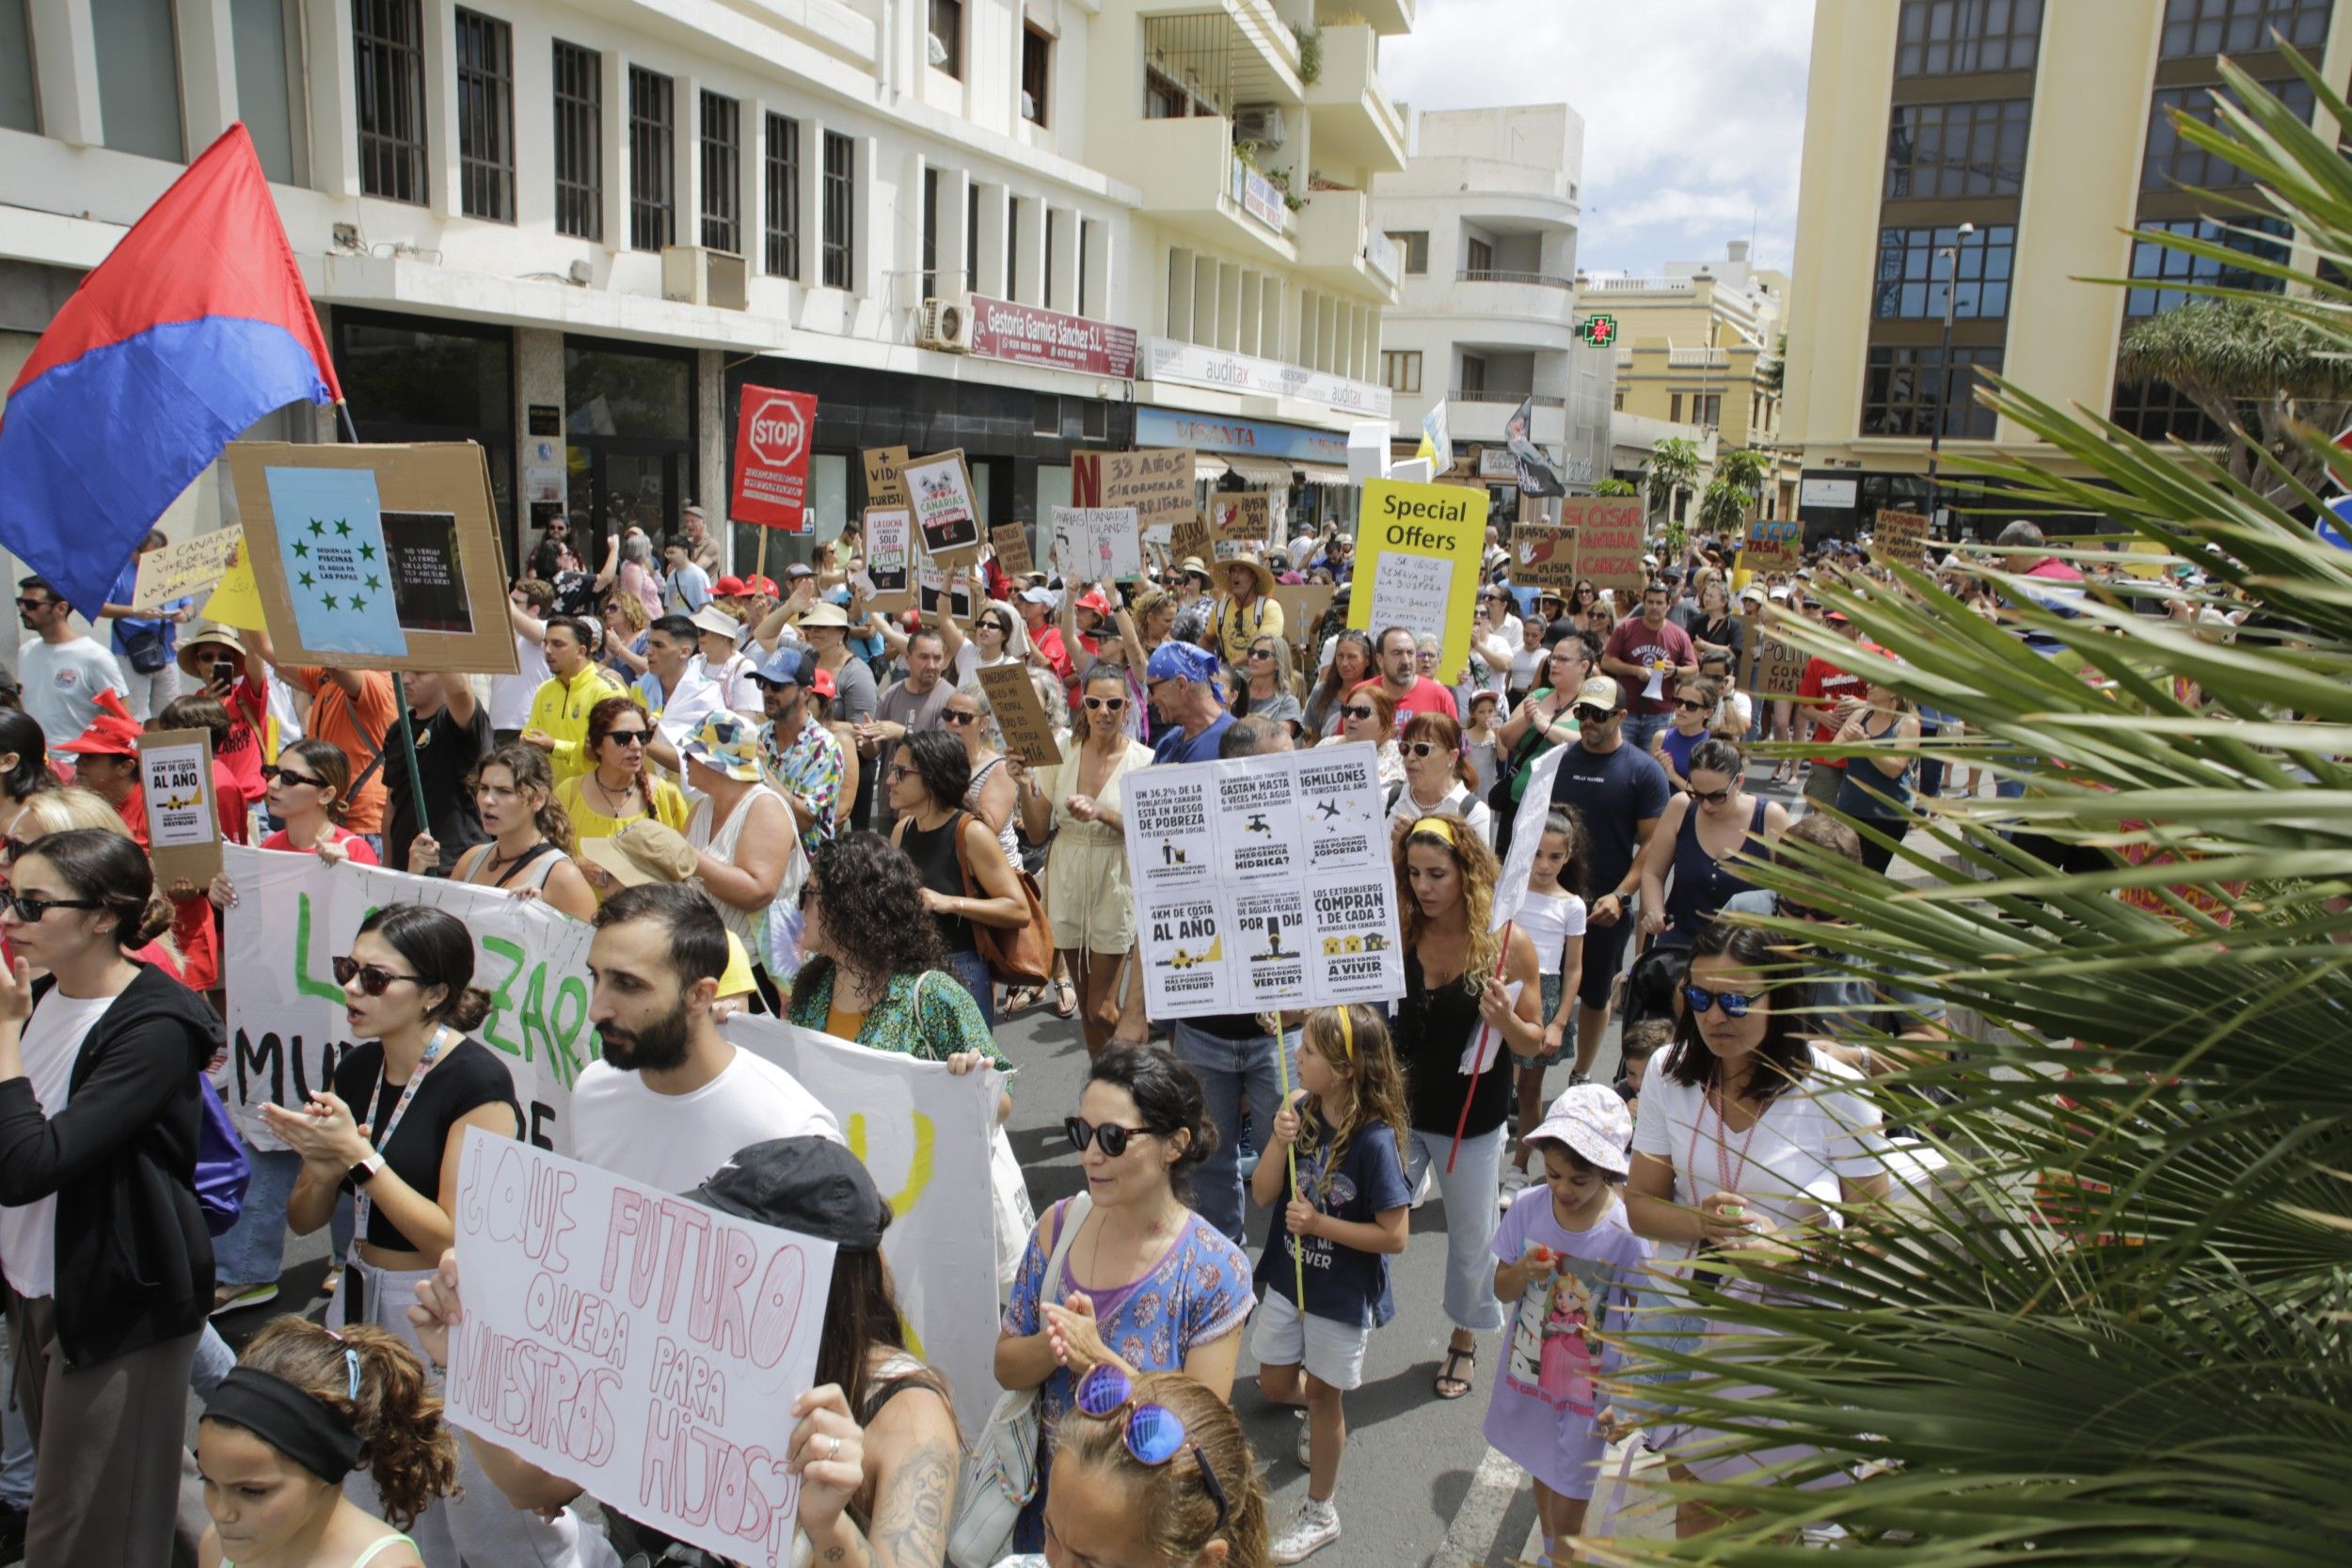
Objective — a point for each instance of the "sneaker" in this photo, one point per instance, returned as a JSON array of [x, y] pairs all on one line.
[[1428, 1180], [1515, 1181], [1306, 1441], [236, 1298], [1315, 1526]]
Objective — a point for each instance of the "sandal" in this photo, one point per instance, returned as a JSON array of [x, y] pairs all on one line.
[[1067, 1004], [1020, 999], [1445, 1373]]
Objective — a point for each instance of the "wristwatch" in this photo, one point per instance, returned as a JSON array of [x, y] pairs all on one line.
[[364, 1172]]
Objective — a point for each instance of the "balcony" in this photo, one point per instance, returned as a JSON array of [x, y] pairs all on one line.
[[1220, 58], [1529, 310], [1389, 17], [1192, 183], [1475, 416], [1355, 123], [1698, 359], [1342, 246]]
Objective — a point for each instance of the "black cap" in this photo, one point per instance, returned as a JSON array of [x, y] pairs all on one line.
[[811, 1185]]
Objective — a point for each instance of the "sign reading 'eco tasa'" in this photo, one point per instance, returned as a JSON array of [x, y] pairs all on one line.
[[1419, 547]]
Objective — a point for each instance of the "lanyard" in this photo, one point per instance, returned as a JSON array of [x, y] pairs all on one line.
[[1726, 1172], [361, 1206]]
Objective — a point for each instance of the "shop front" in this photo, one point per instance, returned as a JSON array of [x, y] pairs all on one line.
[[630, 440], [1305, 469], [418, 378]]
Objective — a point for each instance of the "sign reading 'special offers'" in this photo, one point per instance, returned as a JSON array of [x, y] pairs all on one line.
[[1419, 547]]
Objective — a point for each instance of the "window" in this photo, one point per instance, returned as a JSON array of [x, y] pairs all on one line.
[[1707, 409], [486, 117], [1012, 248], [1616, 401], [1037, 53], [971, 238], [723, 173], [579, 142], [930, 233], [1044, 413], [1674, 409], [1401, 370], [1163, 99], [1954, 37], [652, 169], [2157, 263], [1914, 277], [1096, 426], [269, 88], [2153, 411], [840, 209], [1046, 292], [2193, 28], [784, 197], [1415, 247], [1956, 149], [1905, 390], [1473, 382], [138, 76], [387, 80], [20, 108], [1478, 257], [946, 41], [2173, 163]]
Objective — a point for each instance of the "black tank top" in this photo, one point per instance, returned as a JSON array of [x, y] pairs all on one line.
[[934, 857], [1433, 1029]]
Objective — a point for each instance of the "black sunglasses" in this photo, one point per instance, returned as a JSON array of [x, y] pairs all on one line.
[[1359, 712], [627, 737], [1687, 705], [374, 979], [30, 909], [952, 716], [287, 775], [1587, 714], [1112, 1136], [1709, 796], [1789, 909]]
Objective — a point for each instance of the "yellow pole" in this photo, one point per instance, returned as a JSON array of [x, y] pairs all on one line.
[[1290, 1150]]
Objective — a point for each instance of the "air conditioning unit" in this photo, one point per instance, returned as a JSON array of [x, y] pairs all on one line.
[[944, 325], [1259, 122], [696, 274]]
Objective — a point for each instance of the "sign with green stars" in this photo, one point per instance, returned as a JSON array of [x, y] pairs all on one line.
[[1598, 331], [330, 537]]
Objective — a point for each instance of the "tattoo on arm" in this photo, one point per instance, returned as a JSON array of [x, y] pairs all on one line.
[[834, 1554], [911, 1519]]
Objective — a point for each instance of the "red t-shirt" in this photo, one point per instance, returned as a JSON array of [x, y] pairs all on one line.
[[352, 842], [1826, 684], [1635, 643], [1426, 696], [242, 751]]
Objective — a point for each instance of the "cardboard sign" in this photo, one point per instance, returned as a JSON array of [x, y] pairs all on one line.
[[1773, 544], [183, 812], [1011, 543], [1097, 543], [1303, 604], [1419, 549], [1190, 538], [1243, 518], [663, 1338], [1543, 557], [1264, 883], [1157, 482], [1779, 668], [1900, 539], [885, 476], [889, 532], [425, 565], [946, 516], [1020, 717], [1608, 541], [185, 570], [774, 433]]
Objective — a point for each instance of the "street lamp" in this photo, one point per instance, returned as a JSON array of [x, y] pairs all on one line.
[[1948, 253]]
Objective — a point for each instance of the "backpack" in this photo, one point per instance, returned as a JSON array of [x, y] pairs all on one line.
[[222, 1171]]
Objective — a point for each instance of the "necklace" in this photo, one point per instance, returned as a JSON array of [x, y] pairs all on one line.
[[613, 805]]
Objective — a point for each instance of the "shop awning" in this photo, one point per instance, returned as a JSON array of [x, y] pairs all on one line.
[[1207, 470], [1322, 473], [1262, 473]]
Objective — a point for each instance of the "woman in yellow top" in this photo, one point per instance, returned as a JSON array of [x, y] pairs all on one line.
[[617, 789]]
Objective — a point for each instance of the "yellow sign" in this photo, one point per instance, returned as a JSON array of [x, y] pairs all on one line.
[[237, 602], [1418, 549]]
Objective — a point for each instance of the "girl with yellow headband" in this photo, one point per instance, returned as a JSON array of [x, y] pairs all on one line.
[[1460, 976]]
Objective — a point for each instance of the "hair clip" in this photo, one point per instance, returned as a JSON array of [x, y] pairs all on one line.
[[351, 1360], [1347, 1031]]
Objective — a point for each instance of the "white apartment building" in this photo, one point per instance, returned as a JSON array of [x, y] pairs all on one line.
[[573, 231], [1484, 219]]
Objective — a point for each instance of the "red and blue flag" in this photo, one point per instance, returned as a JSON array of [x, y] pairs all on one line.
[[195, 326]]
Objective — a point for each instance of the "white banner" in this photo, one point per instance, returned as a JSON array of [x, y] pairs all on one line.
[[1527, 836], [647, 1348], [1264, 882], [1193, 365], [923, 1133]]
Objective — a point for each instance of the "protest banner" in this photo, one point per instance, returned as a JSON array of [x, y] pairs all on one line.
[[1773, 544], [1264, 882], [382, 557], [183, 811], [1544, 556], [1608, 543], [1240, 518], [890, 554], [773, 432], [1419, 547], [1011, 543], [1157, 482], [185, 570], [924, 1134], [1097, 543], [236, 600], [643, 1346], [885, 476], [1020, 717], [1190, 539], [1303, 605], [946, 513], [1779, 667], [1527, 836], [934, 583], [1900, 539]]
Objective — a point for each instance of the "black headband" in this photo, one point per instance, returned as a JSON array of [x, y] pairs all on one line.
[[288, 1419]]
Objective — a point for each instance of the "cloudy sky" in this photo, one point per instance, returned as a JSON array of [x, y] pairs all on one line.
[[1694, 110]]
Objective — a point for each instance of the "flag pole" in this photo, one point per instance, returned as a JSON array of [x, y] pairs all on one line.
[[1282, 1066], [400, 686], [1471, 1093]]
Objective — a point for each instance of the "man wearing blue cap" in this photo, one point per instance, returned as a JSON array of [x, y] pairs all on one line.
[[1182, 683], [800, 757]]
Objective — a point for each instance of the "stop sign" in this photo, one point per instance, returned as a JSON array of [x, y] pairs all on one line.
[[778, 433]]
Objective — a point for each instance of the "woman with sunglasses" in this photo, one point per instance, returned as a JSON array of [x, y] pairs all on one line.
[[925, 783], [1438, 777], [103, 1241], [1711, 832], [391, 1129], [1369, 714], [997, 638], [306, 793], [1143, 1283], [624, 628], [1264, 686], [1350, 662], [1750, 1140], [1583, 598], [1088, 900], [618, 789], [992, 794], [1695, 702], [1460, 976]]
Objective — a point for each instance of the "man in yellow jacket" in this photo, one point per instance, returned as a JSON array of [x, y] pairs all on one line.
[[559, 712]]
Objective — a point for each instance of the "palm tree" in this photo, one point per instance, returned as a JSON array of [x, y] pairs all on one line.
[[2117, 1331], [1674, 464], [2246, 366]]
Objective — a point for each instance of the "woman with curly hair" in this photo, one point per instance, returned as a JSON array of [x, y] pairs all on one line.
[[304, 1410], [1461, 982], [531, 848], [1350, 663]]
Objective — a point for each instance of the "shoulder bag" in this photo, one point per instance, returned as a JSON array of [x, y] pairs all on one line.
[[1000, 1469], [1015, 956]]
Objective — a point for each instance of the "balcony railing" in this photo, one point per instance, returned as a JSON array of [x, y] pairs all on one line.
[[1483, 394], [1490, 274], [1698, 359]]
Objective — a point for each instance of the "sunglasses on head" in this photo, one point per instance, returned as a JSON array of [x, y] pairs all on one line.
[[1735, 1003], [1113, 704], [30, 908], [1152, 1433], [1587, 714], [1112, 1136], [287, 775], [374, 979]]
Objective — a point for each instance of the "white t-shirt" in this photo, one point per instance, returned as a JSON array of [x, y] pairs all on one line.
[[1458, 802], [675, 1141], [1786, 1167], [738, 689], [511, 695], [52, 1045], [1550, 919], [62, 682]]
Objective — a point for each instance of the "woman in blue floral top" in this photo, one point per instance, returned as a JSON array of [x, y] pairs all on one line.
[[1144, 1283]]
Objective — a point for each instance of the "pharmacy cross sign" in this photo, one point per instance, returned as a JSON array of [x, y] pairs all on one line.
[[1598, 331]]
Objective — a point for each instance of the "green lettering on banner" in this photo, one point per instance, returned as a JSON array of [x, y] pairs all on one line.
[[502, 995], [325, 991], [562, 1056]]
